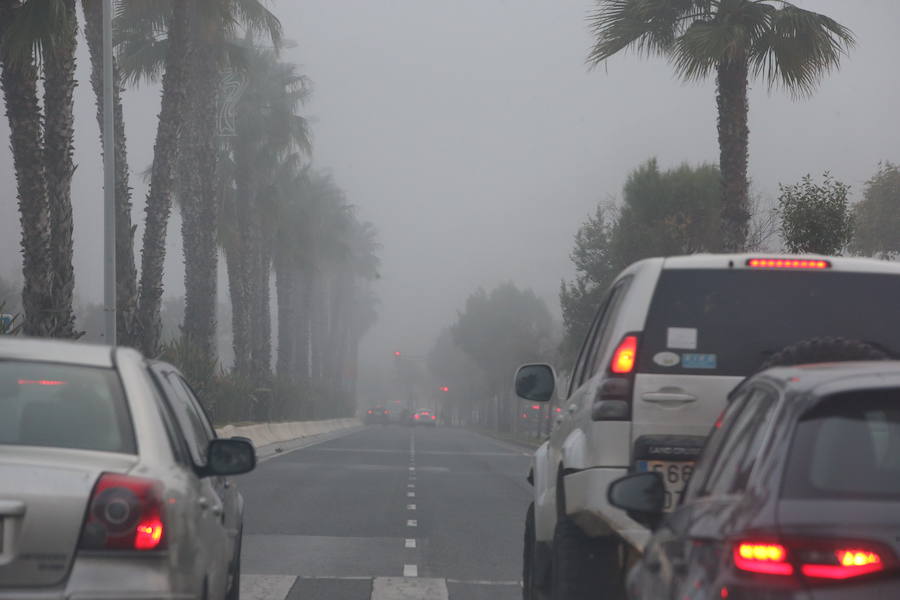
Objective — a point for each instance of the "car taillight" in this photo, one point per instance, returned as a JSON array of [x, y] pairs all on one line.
[[623, 358], [758, 557], [416, 417], [787, 263], [387, 412], [814, 559], [124, 513], [433, 418], [370, 412]]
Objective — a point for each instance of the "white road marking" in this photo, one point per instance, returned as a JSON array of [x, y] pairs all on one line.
[[409, 588], [410, 485], [410, 507], [412, 468], [266, 587], [410, 571], [485, 582], [410, 494], [410, 543], [412, 523]]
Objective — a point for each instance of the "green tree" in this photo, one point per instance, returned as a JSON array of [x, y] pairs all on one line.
[[878, 214], [500, 330], [736, 40], [815, 218], [662, 213]]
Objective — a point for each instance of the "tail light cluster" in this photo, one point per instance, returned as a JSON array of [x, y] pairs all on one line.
[[124, 513], [815, 559], [613, 402]]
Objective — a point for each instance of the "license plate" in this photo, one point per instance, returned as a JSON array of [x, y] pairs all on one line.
[[675, 475]]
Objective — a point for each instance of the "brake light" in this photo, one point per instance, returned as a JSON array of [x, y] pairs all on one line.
[[433, 418], [757, 557], [535, 407], [370, 412], [124, 513], [623, 358], [787, 263], [387, 412], [844, 563], [41, 382], [417, 417], [815, 559]]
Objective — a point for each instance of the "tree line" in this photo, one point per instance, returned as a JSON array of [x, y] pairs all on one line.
[[232, 154]]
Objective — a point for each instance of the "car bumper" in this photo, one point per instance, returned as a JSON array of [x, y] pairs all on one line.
[[106, 578], [586, 503]]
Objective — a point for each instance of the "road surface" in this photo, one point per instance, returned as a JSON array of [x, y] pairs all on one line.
[[387, 513]]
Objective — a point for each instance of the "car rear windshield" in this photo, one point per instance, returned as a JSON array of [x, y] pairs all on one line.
[[848, 447], [728, 322], [63, 406]]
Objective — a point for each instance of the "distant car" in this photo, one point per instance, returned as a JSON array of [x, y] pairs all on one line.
[[378, 414], [796, 495], [112, 481], [424, 417]]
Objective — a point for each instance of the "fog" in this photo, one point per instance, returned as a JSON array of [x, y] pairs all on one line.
[[475, 138]]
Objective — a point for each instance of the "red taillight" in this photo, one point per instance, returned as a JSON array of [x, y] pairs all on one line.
[[433, 418], [815, 559], [125, 513], [370, 412], [787, 263], [844, 563], [535, 407], [387, 412], [623, 358], [41, 382], [759, 557], [417, 417]]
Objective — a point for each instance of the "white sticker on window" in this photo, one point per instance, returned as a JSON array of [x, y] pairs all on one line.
[[682, 338], [666, 359]]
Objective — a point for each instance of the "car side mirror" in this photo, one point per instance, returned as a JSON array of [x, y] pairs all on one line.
[[535, 383], [641, 495], [230, 457]]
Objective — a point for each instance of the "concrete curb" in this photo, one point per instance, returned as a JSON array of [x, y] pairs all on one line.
[[267, 434]]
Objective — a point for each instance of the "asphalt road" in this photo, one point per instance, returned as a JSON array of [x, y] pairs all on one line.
[[387, 513]]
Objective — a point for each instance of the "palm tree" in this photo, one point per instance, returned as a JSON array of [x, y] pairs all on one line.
[[736, 39], [42, 149], [126, 272]]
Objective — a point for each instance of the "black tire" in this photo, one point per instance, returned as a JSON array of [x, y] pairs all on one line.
[[823, 350], [234, 589], [532, 588], [584, 568]]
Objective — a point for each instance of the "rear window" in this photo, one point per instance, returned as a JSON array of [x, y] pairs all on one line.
[[727, 322], [848, 447], [63, 406]]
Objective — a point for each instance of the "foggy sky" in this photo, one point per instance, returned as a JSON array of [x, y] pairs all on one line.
[[474, 137]]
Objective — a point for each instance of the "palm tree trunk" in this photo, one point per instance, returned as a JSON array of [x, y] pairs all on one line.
[[734, 136], [301, 302], [159, 199], [286, 291], [59, 88], [199, 208], [261, 334], [19, 83], [126, 273], [235, 259]]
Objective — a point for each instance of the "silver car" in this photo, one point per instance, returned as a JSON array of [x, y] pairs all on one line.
[[112, 481]]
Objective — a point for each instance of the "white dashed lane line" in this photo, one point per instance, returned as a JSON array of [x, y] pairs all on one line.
[[410, 543]]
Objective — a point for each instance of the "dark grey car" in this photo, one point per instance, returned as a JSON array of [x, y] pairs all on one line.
[[796, 495], [112, 481]]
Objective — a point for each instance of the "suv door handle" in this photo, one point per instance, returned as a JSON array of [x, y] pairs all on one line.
[[669, 398]]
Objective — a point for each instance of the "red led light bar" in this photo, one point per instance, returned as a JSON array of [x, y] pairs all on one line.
[[787, 263]]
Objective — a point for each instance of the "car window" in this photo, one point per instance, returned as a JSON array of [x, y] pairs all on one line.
[[192, 427], [766, 310], [176, 439], [735, 457], [64, 406], [196, 407], [583, 362], [848, 446], [601, 338]]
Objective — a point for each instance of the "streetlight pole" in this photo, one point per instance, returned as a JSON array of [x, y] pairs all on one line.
[[109, 180]]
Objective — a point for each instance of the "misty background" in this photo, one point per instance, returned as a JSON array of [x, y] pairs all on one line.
[[475, 138]]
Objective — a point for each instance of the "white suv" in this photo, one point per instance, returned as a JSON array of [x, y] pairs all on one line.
[[671, 339]]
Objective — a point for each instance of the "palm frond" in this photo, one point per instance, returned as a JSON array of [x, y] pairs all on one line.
[[36, 25], [798, 48]]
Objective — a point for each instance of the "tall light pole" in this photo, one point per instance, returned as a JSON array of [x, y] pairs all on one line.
[[109, 180]]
